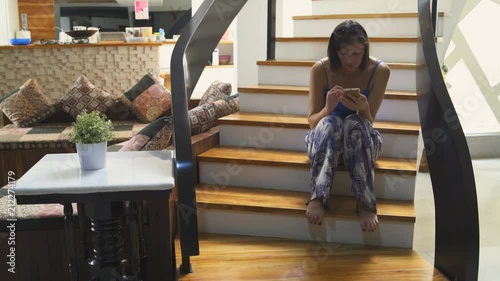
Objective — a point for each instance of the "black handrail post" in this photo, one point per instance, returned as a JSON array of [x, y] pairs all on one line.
[[271, 29], [189, 57], [456, 252], [434, 15]]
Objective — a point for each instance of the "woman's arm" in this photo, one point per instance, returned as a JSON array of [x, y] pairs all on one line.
[[377, 92], [368, 107], [318, 106]]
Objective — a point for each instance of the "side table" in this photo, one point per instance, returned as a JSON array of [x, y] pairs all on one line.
[[101, 196]]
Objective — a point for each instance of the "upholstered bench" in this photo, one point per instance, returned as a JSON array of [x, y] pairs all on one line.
[[21, 148], [40, 232]]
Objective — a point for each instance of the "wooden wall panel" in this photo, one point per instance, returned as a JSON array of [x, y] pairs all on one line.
[[41, 20]]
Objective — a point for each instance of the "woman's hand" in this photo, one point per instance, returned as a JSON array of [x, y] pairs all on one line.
[[333, 98], [359, 103]]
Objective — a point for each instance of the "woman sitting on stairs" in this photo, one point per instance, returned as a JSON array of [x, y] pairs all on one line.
[[341, 121]]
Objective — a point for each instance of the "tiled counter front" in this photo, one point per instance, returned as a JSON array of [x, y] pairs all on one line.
[[114, 68]]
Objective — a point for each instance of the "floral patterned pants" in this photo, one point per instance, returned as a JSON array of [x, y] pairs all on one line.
[[353, 138]]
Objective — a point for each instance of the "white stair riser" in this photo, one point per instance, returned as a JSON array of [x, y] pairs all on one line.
[[387, 186], [390, 110], [321, 7], [400, 79], [388, 52], [394, 146], [375, 27], [262, 137], [274, 103], [342, 230], [398, 110], [284, 75]]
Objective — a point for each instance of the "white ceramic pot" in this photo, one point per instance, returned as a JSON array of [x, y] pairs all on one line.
[[92, 156]]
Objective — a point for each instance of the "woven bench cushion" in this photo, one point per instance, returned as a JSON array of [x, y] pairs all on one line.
[[24, 212], [57, 135]]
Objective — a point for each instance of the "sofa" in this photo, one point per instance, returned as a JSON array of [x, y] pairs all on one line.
[[36, 126], [40, 228]]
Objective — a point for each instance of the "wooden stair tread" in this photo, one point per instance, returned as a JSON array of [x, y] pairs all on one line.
[[370, 39], [300, 122], [286, 202], [294, 159], [359, 16], [304, 90], [238, 257], [309, 63]]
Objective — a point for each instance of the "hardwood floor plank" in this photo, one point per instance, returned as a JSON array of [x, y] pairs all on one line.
[[231, 257]]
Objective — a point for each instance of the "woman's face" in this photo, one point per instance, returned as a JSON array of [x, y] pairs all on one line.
[[351, 56]]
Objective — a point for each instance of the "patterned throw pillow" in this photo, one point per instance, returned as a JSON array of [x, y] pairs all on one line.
[[202, 118], [155, 136], [146, 81], [227, 106], [162, 139], [83, 95], [121, 110], [28, 105], [136, 143], [152, 103], [217, 91]]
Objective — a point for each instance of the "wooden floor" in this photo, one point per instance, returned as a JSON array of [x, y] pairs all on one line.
[[225, 257]]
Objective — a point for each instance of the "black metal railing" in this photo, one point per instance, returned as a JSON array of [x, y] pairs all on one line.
[[434, 15], [271, 29], [189, 58], [450, 165]]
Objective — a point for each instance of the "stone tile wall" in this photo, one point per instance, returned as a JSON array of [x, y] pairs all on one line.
[[114, 69]]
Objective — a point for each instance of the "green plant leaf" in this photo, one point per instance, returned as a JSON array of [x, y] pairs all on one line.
[[93, 127]]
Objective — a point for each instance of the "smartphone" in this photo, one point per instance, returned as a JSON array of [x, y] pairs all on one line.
[[353, 92]]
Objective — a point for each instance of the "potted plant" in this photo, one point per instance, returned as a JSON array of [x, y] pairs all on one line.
[[91, 133]]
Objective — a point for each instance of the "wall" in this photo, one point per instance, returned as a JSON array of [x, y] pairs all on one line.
[[226, 73], [4, 23], [40, 18], [251, 40], [114, 69], [252, 34], [474, 70], [285, 12], [9, 20]]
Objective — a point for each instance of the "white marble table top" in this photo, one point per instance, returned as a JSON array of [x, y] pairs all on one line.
[[125, 171]]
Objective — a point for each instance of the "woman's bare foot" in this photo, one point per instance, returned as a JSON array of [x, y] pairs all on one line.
[[367, 219], [315, 211]]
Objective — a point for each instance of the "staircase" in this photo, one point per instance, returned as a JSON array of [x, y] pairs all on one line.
[[257, 181]]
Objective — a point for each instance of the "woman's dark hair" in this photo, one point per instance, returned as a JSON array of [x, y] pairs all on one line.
[[348, 32]]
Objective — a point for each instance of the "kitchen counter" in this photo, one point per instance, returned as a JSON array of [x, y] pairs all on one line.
[[101, 44]]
